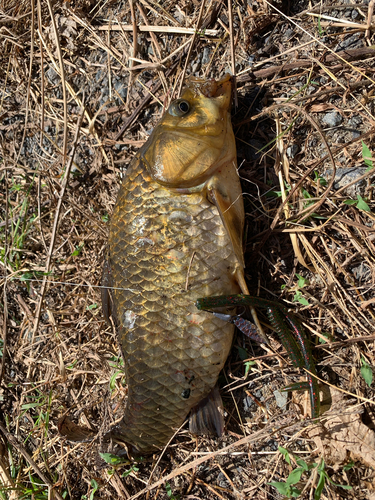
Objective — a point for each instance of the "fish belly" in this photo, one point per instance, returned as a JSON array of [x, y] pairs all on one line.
[[166, 250]]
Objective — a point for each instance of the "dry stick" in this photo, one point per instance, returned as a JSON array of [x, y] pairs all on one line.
[[350, 54], [336, 54], [39, 8], [152, 34], [129, 121], [5, 315], [369, 20], [159, 29], [331, 90], [134, 29], [55, 225], [62, 74], [305, 213], [14, 442], [361, 398], [267, 432], [232, 54], [29, 79], [199, 22]]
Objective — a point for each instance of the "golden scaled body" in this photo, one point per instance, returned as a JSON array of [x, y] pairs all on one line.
[[175, 236]]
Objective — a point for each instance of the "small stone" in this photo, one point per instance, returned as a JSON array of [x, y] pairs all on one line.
[[288, 34], [345, 176], [281, 398], [332, 119], [355, 121], [354, 14], [292, 150], [206, 55], [352, 41]]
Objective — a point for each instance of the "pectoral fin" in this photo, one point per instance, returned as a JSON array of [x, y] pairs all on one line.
[[224, 191]]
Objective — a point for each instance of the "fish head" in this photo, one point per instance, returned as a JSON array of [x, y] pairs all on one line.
[[194, 138]]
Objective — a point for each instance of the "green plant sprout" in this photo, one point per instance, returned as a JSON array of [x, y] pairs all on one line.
[[360, 203], [289, 488], [298, 296], [367, 157], [366, 372]]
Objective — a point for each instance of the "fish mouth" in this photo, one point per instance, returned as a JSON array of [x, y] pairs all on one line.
[[212, 89]]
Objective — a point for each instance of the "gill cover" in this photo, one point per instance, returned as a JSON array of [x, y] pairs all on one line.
[[193, 148]]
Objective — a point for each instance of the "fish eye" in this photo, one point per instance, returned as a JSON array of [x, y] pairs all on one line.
[[179, 108]]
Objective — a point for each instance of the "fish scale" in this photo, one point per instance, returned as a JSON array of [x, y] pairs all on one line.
[[175, 235], [165, 341]]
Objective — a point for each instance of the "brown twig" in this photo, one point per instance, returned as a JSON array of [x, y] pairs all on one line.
[[232, 52], [62, 75], [55, 226], [6, 253], [191, 46], [129, 121], [349, 54]]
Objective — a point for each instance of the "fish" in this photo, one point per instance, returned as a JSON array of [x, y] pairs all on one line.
[[176, 234]]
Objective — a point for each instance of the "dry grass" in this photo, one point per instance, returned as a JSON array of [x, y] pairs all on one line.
[[79, 93]]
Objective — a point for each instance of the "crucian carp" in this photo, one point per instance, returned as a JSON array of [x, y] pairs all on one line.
[[176, 235]]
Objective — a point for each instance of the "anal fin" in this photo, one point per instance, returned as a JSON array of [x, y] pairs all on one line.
[[207, 417]]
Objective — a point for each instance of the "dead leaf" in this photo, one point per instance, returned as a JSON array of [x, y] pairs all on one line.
[[316, 108], [74, 432], [343, 436]]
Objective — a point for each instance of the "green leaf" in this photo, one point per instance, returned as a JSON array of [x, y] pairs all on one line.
[[366, 154], [298, 297], [322, 181], [113, 459], [285, 454], [133, 468], [91, 307], [348, 466], [95, 486], [302, 281], [248, 365], [302, 464], [320, 486], [350, 202], [286, 490], [366, 372], [295, 476], [282, 488], [112, 380], [327, 335], [362, 205], [77, 251]]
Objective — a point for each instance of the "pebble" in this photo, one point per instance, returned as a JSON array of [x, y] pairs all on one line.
[[206, 55], [292, 150], [332, 119], [345, 176], [355, 121], [281, 398], [353, 41]]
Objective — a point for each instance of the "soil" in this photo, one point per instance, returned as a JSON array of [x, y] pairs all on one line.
[[82, 86]]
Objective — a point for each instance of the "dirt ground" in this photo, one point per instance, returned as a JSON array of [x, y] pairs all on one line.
[[82, 84]]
